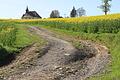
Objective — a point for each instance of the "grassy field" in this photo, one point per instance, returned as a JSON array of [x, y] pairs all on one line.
[[14, 36], [100, 29]]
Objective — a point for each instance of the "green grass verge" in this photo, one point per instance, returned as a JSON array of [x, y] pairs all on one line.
[[23, 39]]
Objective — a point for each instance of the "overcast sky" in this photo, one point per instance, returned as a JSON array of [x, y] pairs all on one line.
[[15, 8]]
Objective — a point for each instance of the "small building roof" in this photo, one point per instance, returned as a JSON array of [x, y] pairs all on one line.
[[32, 14]]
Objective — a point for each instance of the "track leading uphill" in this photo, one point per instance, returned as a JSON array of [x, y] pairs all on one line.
[[62, 61]]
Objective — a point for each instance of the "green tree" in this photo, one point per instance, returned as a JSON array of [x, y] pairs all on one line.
[[80, 12], [55, 14], [73, 12], [105, 6]]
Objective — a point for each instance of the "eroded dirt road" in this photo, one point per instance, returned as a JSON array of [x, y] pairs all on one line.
[[62, 61]]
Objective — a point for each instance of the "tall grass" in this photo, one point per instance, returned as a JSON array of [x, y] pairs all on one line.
[[7, 36]]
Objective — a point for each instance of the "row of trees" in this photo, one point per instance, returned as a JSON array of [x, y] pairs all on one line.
[[78, 13], [74, 13], [81, 11]]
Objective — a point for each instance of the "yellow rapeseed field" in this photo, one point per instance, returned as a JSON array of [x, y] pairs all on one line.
[[80, 19]]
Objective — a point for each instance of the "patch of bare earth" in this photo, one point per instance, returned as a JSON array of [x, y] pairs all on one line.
[[61, 60]]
